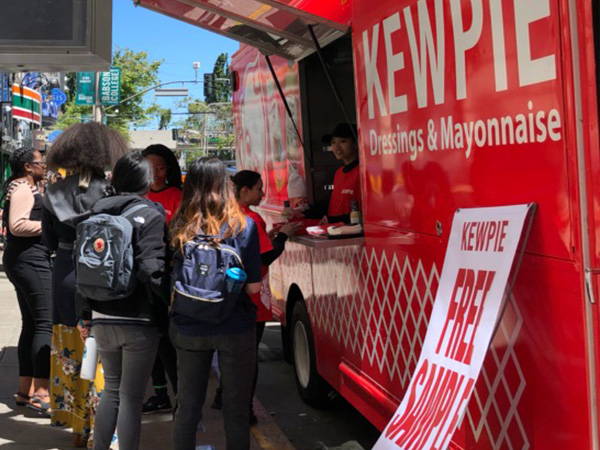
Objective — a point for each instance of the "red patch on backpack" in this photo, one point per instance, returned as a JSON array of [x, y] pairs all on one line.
[[99, 245]]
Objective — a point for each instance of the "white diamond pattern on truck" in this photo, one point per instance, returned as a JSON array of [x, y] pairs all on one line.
[[501, 378], [387, 300]]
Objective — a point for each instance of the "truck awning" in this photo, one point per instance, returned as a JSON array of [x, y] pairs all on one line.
[[275, 27]]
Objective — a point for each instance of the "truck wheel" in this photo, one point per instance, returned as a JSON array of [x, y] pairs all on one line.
[[311, 387]]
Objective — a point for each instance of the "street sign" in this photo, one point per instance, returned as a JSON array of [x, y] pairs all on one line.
[[171, 92], [85, 88], [49, 109], [58, 96], [32, 80], [110, 86]]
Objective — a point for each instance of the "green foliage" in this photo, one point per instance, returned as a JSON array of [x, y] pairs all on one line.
[[222, 89], [192, 154], [207, 130], [224, 116], [165, 118], [196, 119], [224, 142], [137, 74]]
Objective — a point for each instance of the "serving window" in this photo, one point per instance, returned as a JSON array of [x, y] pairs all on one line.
[[321, 112]]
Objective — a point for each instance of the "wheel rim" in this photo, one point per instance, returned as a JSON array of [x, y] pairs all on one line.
[[301, 354]]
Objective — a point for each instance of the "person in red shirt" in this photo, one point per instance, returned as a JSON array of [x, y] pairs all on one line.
[[346, 182], [248, 188], [165, 190]]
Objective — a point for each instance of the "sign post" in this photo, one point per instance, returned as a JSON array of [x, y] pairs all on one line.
[[474, 281]]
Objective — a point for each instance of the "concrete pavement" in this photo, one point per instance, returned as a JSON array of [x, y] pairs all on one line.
[[22, 429]]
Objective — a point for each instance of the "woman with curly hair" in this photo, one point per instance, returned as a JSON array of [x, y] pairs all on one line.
[[85, 151], [27, 265]]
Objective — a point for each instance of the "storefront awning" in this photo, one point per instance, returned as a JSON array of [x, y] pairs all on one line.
[[274, 26]]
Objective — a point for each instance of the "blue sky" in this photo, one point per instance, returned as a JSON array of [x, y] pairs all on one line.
[[176, 43]]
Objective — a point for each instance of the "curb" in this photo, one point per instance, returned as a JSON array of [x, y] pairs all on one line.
[[267, 434]]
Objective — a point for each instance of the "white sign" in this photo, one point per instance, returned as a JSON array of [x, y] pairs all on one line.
[[171, 92], [479, 258]]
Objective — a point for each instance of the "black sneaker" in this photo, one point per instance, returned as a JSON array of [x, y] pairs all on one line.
[[156, 404]]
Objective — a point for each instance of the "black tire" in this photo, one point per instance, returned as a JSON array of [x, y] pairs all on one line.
[[313, 389]]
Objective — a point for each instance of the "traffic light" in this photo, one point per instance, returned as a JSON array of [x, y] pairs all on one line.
[[209, 86]]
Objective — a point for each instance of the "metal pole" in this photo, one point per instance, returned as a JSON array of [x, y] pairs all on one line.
[[205, 150], [149, 89], [97, 109]]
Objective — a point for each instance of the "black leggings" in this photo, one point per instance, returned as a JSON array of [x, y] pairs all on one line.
[[166, 361], [260, 329], [29, 271]]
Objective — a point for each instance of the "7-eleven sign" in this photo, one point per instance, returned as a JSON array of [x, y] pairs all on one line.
[[26, 104]]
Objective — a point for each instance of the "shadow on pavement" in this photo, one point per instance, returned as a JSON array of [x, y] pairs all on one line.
[[22, 428]]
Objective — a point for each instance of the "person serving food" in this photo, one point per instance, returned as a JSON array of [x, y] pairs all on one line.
[[346, 182]]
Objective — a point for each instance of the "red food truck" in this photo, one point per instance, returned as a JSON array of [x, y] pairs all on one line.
[[459, 103]]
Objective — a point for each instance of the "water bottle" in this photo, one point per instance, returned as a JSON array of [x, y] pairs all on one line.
[[90, 359], [235, 279]]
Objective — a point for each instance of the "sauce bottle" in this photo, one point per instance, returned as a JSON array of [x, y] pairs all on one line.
[[354, 213]]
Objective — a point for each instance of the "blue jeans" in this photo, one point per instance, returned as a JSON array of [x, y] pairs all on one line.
[[237, 361], [127, 353]]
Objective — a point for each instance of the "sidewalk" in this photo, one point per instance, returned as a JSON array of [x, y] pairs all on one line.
[[21, 429]]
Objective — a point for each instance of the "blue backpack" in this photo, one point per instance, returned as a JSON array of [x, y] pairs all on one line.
[[200, 289], [104, 256]]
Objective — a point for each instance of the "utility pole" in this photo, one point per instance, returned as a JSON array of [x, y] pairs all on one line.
[[205, 136], [97, 108]]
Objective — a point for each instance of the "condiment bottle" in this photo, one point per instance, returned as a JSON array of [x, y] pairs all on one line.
[[354, 213]]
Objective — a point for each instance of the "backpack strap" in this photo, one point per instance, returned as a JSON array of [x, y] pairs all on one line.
[[205, 237], [129, 211]]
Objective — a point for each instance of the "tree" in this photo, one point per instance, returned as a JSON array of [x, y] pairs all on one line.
[[222, 89], [207, 129], [196, 118], [137, 74], [165, 118]]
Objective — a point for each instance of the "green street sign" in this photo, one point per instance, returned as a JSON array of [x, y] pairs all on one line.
[[110, 86], [85, 88]]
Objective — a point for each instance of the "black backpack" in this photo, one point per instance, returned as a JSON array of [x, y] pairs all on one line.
[[104, 256]]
